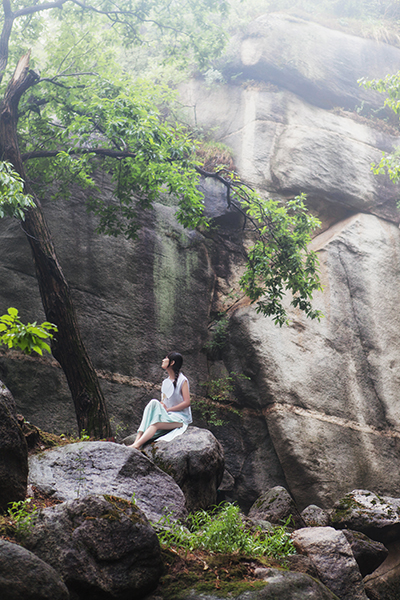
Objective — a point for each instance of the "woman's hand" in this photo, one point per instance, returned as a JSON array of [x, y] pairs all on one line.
[[163, 405]]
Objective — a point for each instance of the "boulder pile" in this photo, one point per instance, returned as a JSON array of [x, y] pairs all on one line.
[[353, 547], [99, 542]]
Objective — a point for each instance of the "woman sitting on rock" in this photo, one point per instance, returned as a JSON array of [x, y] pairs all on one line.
[[173, 412]]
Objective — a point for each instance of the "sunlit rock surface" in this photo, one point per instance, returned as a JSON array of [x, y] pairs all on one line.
[[95, 468]]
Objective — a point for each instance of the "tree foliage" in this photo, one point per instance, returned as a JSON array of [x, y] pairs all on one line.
[[280, 260], [125, 129], [117, 128], [28, 338], [390, 86], [13, 200], [85, 114]]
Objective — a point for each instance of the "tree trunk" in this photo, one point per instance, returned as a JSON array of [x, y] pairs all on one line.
[[67, 348]]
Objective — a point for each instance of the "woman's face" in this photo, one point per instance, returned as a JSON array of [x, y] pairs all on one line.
[[165, 363]]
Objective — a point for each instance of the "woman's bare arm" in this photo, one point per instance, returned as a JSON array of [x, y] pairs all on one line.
[[186, 399]]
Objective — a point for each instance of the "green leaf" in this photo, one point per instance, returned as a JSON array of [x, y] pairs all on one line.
[[28, 338]]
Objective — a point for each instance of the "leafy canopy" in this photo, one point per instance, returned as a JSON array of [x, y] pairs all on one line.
[[122, 130], [187, 32], [28, 338], [117, 129], [86, 118]]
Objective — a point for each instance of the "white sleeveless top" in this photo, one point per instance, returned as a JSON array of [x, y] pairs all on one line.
[[171, 396]]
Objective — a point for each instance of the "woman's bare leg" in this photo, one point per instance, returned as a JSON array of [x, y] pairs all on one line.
[[150, 431]]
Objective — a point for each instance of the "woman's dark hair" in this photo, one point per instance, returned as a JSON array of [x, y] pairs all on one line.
[[177, 359]]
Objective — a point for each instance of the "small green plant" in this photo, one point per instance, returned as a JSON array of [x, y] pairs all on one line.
[[120, 429], [24, 514], [28, 338], [13, 200], [84, 437], [219, 398], [219, 337], [223, 530], [208, 412], [221, 390]]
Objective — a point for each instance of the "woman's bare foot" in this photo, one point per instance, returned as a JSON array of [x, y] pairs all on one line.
[[136, 442]]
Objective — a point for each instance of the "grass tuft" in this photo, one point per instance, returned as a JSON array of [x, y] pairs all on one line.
[[223, 530]]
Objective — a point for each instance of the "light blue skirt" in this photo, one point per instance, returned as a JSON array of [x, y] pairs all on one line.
[[155, 413]]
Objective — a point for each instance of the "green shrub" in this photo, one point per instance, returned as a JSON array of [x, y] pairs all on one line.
[[220, 396], [24, 515], [223, 530]]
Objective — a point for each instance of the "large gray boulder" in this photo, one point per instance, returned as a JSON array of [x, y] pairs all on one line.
[[13, 452], [103, 547], [195, 460], [314, 516], [24, 576], [85, 468], [291, 586], [329, 385], [376, 516], [284, 145], [332, 556]]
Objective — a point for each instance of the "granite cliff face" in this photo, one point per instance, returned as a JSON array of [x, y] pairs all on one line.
[[320, 414]]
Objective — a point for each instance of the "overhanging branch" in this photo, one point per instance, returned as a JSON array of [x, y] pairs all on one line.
[[79, 151], [118, 154], [30, 10]]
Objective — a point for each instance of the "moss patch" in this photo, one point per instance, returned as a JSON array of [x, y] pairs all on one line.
[[217, 574], [122, 507], [345, 507], [161, 464]]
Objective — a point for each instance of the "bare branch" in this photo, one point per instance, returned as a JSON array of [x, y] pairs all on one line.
[[30, 10], [114, 17], [54, 81]]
